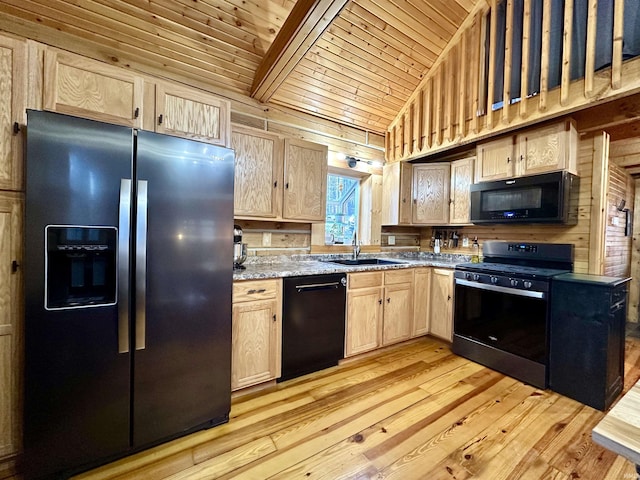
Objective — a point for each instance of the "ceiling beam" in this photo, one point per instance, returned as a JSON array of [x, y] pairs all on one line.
[[304, 25]]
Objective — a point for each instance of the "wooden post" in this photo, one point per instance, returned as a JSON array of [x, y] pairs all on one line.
[[426, 113], [566, 51], [462, 86], [492, 62], [526, 46], [477, 59], [598, 203], [544, 60], [618, 27], [508, 52], [589, 65]]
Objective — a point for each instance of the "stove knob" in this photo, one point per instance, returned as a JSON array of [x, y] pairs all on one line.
[[467, 276], [494, 280], [514, 282], [527, 284], [476, 277]]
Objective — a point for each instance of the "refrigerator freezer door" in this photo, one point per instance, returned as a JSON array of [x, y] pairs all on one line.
[[187, 298], [77, 404]]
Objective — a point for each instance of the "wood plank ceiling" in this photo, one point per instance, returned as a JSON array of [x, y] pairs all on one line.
[[364, 64]]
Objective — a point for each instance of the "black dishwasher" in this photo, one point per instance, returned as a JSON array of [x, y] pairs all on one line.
[[313, 323]]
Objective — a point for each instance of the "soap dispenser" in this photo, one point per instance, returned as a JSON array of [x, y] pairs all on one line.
[[475, 251]]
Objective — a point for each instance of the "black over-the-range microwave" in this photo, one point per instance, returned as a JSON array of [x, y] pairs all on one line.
[[545, 198]]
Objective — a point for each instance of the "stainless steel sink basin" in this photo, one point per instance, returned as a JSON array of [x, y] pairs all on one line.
[[364, 261]]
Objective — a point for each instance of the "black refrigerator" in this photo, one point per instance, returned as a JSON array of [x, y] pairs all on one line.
[[128, 280]]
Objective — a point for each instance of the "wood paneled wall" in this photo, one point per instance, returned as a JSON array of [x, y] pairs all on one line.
[[275, 238], [452, 105], [617, 256]]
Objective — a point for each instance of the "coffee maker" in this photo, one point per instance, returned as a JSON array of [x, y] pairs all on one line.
[[239, 249]]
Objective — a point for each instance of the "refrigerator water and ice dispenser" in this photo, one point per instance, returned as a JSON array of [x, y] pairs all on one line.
[[80, 266]]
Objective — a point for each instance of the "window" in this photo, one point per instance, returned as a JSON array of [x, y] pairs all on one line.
[[343, 203]]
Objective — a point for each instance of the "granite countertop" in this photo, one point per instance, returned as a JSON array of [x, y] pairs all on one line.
[[296, 265]]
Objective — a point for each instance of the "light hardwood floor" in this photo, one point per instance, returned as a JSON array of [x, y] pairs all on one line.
[[413, 411]]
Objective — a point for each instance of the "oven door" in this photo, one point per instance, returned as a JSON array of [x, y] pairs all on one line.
[[503, 328]]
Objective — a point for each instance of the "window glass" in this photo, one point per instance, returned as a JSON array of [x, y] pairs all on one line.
[[343, 202]]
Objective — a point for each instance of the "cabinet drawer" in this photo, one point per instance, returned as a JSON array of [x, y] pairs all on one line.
[[398, 276], [255, 290], [365, 280]]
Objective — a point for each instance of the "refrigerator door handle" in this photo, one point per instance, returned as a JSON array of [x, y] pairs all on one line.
[[124, 219], [141, 266]]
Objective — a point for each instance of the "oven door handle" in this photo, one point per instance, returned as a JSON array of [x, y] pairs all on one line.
[[496, 288]]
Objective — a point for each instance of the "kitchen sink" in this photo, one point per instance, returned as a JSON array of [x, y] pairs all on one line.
[[364, 261]]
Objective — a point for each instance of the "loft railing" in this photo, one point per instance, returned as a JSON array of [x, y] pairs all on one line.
[[563, 54]]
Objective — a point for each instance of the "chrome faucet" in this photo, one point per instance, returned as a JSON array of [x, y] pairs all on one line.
[[356, 246]]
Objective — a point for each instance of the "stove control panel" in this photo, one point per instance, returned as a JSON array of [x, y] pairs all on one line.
[[522, 247], [504, 281]]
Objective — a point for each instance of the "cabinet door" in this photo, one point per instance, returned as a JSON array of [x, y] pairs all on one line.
[[544, 149], [258, 173], [305, 177], [495, 159], [86, 88], [254, 350], [12, 111], [190, 113], [421, 301], [396, 193], [461, 180], [441, 309], [10, 322], [398, 313], [431, 183], [364, 320]]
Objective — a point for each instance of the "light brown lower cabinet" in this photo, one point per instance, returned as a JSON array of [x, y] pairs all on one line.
[[421, 301], [441, 304], [256, 332], [379, 309], [11, 312]]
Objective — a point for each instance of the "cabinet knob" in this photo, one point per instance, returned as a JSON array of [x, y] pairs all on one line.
[[286, 185], [16, 128], [14, 266], [160, 118], [275, 184], [388, 299], [274, 317], [136, 112], [508, 159], [380, 301], [448, 297]]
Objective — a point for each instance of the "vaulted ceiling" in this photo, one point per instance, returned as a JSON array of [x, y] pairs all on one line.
[[352, 61]]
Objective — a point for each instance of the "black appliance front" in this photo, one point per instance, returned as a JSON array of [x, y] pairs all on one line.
[[313, 323], [503, 330], [77, 383], [545, 198], [167, 334]]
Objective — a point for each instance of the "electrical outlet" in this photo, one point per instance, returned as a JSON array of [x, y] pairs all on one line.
[[391, 239]]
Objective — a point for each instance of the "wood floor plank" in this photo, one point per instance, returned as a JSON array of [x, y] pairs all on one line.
[[413, 410]]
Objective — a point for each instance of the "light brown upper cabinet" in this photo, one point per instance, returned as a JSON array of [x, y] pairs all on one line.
[[431, 183], [461, 180], [13, 74], [278, 179], [190, 113], [537, 150], [305, 181], [396, 193], [91, 89], [258, 173]]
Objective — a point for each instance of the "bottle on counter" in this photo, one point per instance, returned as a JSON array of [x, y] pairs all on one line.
[[475, 251]]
